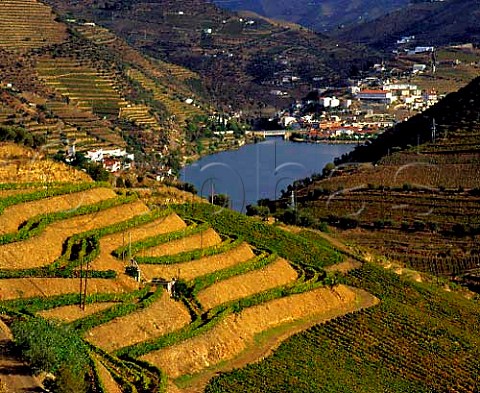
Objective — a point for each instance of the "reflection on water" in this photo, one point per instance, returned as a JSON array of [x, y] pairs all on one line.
[[260, 170]]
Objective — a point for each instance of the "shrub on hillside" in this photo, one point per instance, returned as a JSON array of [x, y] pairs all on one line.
[[54, 348]]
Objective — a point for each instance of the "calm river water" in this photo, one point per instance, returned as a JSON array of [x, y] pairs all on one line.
[[259, 170]]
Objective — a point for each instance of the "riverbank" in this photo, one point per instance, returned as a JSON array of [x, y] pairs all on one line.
[[327, 141], [246, 140]]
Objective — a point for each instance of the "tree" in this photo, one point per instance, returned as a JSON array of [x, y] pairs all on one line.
[[221, 200], [120, 183], [97, 172], [289, 217], [255, 210], [68, 382], [328, 169], [459, 230]]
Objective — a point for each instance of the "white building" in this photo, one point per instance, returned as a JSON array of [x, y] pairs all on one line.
[[418, 68], [423, 49], [381, 96], [287, 120], [354, 90], [100, 154], [325, 101], [334, 103]]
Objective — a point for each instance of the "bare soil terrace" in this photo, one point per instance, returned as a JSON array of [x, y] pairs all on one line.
[[22, 165], [74, 312], [15, 215], [200, 240], [274, 275], [189, 270], [110, 243], [163, 316], [44, 249], [16, 288]]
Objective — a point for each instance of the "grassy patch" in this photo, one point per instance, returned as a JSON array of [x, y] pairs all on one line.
[[296, 249]]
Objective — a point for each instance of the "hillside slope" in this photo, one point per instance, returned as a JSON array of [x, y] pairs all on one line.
[[412, 194], [435, 23], [243, 286], [70, 278], [419, 339], [65, 83], [319, 15], [241, 58]]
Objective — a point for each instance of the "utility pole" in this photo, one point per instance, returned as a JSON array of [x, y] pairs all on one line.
[[83, 282], [275, 147], [130, 246], [85, 286], [123, 248], [434, 130], [212, 192]]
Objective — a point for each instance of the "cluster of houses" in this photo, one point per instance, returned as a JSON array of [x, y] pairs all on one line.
[[365, 108], [332, 127], [113, 160], [405, 94]]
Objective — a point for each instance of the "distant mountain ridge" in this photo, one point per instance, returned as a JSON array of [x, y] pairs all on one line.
[[434, 23], [319, 15]]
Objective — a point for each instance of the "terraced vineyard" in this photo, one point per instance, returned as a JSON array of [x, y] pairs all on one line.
[[21, 165], [83, 127], [139, 114], [27, 24], [64, 125], [86, 87], [177, 106], [97, 34], [71, 256], [65, 262], [65, 83], [420, 338], [162, 89], [417, 204]]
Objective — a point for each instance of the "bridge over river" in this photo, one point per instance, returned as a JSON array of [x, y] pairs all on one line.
[[269, 133]]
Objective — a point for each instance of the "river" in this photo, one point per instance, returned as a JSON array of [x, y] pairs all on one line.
[[259, 170]]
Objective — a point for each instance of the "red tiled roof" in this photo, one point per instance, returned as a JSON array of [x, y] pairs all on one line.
[[374, 91]]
